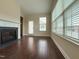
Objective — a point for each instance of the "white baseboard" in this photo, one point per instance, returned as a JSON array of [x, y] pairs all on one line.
[[25, 34], [61, 50]]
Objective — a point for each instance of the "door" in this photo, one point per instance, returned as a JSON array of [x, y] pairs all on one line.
[[21, 26], [30, 29]]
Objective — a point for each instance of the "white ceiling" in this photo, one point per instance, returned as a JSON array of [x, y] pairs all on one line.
[[36, 6]]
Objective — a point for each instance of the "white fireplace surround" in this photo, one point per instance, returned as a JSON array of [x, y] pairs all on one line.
[[6, 23]]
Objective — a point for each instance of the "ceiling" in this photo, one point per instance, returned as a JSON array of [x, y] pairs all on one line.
[[36, 6]]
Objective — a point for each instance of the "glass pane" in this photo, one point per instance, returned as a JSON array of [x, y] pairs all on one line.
[[42, 22], [42, 27], [72, 21], [68, 22], [67, 3], [54, 27], [30, 27], [68, 31], [60, 25], [68, 27], [75, 32], [75, 20]]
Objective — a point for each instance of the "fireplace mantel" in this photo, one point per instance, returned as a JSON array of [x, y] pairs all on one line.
[[9, 21]]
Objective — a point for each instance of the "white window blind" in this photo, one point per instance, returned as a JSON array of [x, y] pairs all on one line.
[[60, 25], [68, 22], [66, 3], [54, 27], [72, 20], [75, 20]]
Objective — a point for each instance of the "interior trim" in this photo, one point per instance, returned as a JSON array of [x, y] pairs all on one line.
[[9, 21], [61, 50], [68, 39]]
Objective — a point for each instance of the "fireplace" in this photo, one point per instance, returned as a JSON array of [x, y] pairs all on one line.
[[8, 34]]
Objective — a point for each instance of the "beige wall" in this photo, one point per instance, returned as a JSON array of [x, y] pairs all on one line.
[[10, 14], [9, 9], [35, 18]]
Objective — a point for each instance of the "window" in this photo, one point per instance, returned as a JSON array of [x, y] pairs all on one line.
[[72, 21], [58, 25], [42, 23], [30, 27], [54, 27], [67, 23]]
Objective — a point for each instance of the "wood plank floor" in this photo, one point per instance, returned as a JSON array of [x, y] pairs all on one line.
[[31, 48]]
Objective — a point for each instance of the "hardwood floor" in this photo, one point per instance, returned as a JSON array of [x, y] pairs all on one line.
[[31, 48]]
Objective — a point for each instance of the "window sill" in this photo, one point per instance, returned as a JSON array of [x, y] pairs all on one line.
[[68, 39]]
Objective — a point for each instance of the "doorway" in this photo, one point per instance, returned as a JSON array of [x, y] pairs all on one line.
[[21, 26], [30, 27]]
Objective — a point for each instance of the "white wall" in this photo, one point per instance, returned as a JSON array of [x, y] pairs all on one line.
[[10, 14]]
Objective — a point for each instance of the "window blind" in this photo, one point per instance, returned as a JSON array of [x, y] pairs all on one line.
[[72, 21], [60, 25], [75, 19], [67, 24]]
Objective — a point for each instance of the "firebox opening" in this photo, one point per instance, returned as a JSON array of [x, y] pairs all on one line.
[[8, 34]]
